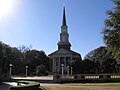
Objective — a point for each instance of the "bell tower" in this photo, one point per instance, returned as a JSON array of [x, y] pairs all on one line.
[[64, 36]]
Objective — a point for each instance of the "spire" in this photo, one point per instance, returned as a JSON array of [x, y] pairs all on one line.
[[64, 18]]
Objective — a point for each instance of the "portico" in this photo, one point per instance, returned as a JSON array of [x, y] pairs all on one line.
[[60, 59]]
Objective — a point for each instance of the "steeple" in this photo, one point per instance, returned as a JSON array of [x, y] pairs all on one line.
[[64, 36], [64, 17]]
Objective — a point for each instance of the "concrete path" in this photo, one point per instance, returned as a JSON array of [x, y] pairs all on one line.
[[36, 78], [41, 79]]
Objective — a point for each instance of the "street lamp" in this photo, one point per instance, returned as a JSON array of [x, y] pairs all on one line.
[[10, 69], [26, 71], [62, 68]]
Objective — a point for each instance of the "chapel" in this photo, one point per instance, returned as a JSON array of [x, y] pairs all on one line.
[[64, 56]]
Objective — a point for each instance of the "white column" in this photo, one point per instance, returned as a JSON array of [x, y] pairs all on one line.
[[54, 69], [71, 70], [55, 60], [70, 59], [59, 64], [68, 70], [53, 64], [71, 66], [65, 65]]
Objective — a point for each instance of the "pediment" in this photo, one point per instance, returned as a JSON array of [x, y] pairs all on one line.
[[63, 51]]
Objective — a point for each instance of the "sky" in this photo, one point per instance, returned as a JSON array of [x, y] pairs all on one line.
[[37, 23]]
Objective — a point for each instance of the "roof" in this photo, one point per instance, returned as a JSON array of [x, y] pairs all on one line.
[[64, 18], [64, 52]]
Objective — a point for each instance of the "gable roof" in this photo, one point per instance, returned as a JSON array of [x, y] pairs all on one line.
[[64, 52], [61, 51]]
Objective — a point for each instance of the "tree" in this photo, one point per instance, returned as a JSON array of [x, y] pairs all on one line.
[[35, 58], [111, 31], [109, 65], [24, 49], [99, 55], [41, 70], [77, 67], [89, 55], [20, 57], [17, 61], [5, 54], [103, 59], [89, 66]]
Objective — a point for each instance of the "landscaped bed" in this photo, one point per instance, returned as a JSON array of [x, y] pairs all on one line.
[[89, 78]]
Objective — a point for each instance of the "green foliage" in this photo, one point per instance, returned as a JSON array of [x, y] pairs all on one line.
[[103, 60], [100, 55], [41, 70], [78, 67], [35, 58], [89, 66], [89, 55], [111, 31], [20, 57]]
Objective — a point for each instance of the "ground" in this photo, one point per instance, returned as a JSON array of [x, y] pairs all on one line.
[[80, 86], [46, 82]]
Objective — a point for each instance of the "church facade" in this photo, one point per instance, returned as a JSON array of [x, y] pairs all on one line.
[[64, 56]]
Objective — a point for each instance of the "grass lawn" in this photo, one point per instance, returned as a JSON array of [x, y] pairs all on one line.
[[64, 88], [93, 84], [79, 86]]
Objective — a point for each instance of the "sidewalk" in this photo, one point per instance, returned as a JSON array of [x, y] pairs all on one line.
[[35, 77]]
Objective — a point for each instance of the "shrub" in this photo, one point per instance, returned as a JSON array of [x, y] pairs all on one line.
[[75, 76]]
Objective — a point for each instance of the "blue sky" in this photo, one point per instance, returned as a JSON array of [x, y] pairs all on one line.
[[38, 23]]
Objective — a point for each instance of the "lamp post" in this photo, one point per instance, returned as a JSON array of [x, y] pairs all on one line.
[[11, 69], [62, 68], [26, 71]]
